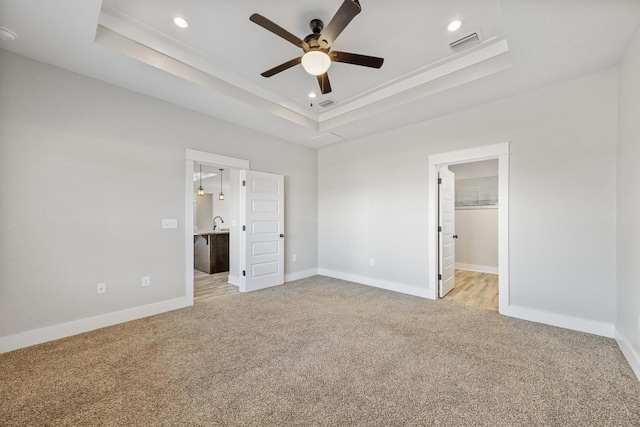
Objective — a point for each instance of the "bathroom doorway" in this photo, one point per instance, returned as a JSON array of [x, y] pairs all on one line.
[[255, 228], [195, 224], [213, 214]]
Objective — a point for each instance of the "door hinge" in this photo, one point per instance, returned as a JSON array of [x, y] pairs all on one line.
[[244, 272], [439, 180], [439, 229], [244, 183], [244, 228], [439, 276]]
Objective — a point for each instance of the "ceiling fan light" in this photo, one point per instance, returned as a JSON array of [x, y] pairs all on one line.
[[316, 62]]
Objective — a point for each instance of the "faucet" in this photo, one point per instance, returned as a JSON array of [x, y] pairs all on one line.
[[214, 221]]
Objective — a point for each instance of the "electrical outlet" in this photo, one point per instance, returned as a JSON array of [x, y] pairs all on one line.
[[169, 223], [146, 281], [295, 257], [372, 261], [101, 288]]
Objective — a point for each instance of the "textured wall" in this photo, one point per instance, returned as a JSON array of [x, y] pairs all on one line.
[[373, 196], [107, 165]]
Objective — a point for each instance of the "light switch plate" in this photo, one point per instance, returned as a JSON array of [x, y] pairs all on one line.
[[169, 223]]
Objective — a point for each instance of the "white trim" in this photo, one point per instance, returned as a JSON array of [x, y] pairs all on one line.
[[376, 283], [485, 152], [189, 227], [496, 151], [234, 280], [478, 268], [63, 330], [595, 327], [503, 228], [628, 351], [300, 275], [491, 48], [215, 159]]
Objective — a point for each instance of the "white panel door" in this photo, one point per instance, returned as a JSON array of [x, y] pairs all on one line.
[[446, 230], [262, 248]]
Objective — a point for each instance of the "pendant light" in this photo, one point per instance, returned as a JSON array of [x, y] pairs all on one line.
[[201, 188], [221, 195]]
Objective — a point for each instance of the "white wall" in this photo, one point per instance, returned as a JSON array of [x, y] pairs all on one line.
[[481, 169], [476, 228], [107, 166], [629, 203], [562, 193], [204, 212], [477, 242]]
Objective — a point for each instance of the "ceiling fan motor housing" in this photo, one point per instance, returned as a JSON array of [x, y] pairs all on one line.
[[313, 40], [316, 26]]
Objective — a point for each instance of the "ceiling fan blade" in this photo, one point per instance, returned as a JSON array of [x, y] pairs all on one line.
[[282, 67], [356, 59], [323, 81], [276, 29], [344, 15]]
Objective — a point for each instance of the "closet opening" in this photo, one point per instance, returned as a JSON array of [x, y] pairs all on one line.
[[481, 206], [476, 234]]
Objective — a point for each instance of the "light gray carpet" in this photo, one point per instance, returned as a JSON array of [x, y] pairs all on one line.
[[322, 351]]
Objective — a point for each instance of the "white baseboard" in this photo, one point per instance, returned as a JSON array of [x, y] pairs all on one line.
[[300, 275], [50, 333], [376, 283], [629, 352], [478, 268], [561, 320], [234, 280]]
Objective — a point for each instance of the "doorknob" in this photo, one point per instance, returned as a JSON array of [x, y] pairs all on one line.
[[455, 236], [282, 235]]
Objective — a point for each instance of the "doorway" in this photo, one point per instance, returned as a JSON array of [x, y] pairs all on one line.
[[233, 166], [256, 235], [476, 234], [215, 210], [500, 152]]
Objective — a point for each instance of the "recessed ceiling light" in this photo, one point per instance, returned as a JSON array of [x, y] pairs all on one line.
[[454, 25], [312, 95], [180, 22]]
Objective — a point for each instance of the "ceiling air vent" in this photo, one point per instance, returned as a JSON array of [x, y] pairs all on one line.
[[465, 43], [327, 138], [327, 103]]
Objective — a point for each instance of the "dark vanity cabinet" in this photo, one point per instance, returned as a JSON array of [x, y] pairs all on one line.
[[211, 252]]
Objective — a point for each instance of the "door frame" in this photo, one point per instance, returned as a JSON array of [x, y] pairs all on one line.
[[191, 157], [501, 152]]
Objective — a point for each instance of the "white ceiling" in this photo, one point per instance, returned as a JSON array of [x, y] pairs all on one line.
[[214, 66]]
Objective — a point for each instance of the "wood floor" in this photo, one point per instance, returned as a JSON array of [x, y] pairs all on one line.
[[475, 289], [207, 286], [472, 288]]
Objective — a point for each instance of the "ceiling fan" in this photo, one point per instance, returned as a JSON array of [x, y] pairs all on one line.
[[317, 57]]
